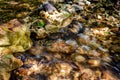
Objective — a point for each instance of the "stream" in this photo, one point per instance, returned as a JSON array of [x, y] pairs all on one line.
[[64, 41]]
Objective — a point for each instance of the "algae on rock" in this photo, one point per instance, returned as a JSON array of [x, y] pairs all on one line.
[[15, 37]]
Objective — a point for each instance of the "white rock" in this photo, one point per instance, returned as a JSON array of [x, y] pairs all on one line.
[[99, 17]]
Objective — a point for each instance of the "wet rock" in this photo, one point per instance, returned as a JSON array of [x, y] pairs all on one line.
[[27, 65], [7, 63], [68, 32], [102, 49], [116, 30], [57, 1], [82, 2], [58, 70], [41, 33], [64, 69], [76, 75], [22, 57], [76, 27], [94, 45], [47, 7], [83, 39], [4, 41], [77, 8], [101, 31], [4, 75], [36, 50], [86, 74], [107, 75], [72, 43], [51, 28], [55, 36], [22, 14], [57, 18], [18, 35], [94, 53], [78, 58], [87, 2], [17, 39], [53, 22], [57, 55], [80, 50], [94, 62], [60, 47], [55, 77], [83, 49], [106, 57], [74, 8]]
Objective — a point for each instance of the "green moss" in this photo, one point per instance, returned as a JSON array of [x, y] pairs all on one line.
[[41, 23]]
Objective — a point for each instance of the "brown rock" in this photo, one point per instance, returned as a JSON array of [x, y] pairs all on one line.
[[94, 62], [60, 47]]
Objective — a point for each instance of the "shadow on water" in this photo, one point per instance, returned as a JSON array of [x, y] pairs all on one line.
[[114, 66]]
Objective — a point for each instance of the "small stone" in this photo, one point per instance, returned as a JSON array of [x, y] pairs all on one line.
[[87, 2], [106, 57], [98, 73], [53, 77], [36, 50], [64, 69], [41, 33], [94, 62], [108, 76], [80, 50], [19, 15], [51, 28], [99, 17], [94, 53], [77, 7], [110, 18], [72, 43], [102, 49], [60, 47], [48, 7], [83, 39], [79, 58], [58, 56], [76, 76], [86, 73], [85, 47]]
